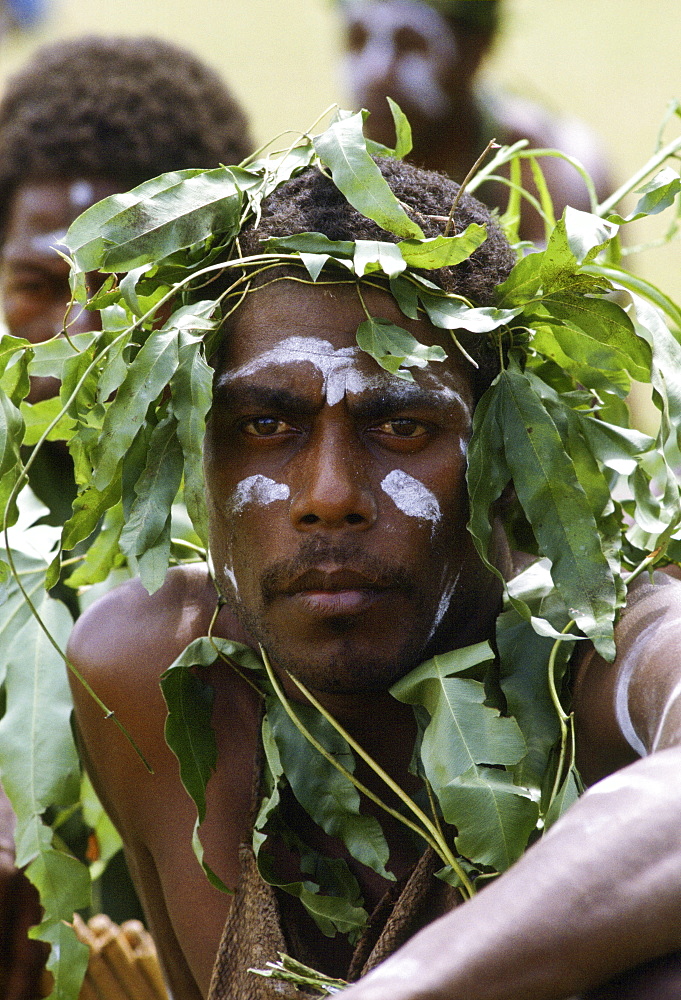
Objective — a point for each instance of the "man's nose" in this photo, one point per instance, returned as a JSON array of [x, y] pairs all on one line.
[[333, 489]]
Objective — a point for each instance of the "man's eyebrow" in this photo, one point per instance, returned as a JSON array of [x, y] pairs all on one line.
[[374, 405], [241, 395]]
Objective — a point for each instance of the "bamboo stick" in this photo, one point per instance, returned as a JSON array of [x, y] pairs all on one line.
[[123, 963]]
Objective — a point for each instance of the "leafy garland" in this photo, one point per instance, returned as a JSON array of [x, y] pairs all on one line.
[[597, 500]]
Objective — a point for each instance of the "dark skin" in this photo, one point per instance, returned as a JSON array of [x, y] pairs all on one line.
[[404, 49], [311, 543], [35, 295]]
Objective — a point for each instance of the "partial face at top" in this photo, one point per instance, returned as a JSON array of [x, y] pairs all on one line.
[[401, 49], [336, 492], [34, 279]]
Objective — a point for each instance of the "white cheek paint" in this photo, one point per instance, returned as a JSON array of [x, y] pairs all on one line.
[[257, 489], [229, 575], [622, 713], [443, 606], [411, 496]]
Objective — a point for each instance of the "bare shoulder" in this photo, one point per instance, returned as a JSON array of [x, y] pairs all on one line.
[[524, 119], [632, 707], [120, 647], [128, 626]]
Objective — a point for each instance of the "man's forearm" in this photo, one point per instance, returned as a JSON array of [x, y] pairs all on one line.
[[599, 894]]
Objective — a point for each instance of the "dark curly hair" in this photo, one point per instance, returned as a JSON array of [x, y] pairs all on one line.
[[117, 108], [311, 202]]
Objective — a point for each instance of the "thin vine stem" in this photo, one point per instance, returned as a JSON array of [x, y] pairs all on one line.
[[431, 835]]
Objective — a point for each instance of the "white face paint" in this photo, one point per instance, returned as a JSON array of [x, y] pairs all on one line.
[[82, 194], [342, 371], [338, 368], [401, 48], [411, 496], [259, 490]]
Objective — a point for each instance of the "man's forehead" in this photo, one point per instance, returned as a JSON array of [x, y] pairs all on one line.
[[295, 331], [346, 371]]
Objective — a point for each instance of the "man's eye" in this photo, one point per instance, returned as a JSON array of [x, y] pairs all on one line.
[[265, 426], [402, 427]]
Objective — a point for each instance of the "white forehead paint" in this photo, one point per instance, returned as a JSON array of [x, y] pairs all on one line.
[[411, 496], [341, 371], [257, 489], [622, 713], [338, 368]]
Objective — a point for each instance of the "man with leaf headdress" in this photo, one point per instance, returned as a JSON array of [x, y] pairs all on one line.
[[367, 691]]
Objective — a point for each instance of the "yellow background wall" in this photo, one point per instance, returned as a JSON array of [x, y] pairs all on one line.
[[615, 63]]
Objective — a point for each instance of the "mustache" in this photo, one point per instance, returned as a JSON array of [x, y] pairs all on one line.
[[349, 561]]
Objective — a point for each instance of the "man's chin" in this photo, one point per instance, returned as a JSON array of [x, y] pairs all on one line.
[[349, 670]]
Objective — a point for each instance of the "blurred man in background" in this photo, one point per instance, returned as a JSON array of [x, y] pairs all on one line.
[[426, 56], [84, 119]]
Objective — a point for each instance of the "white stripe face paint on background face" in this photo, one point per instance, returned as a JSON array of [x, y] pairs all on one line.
[[411, 496], [259, 490]]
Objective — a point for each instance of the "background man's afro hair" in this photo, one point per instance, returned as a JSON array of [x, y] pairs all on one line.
[[124, 109]]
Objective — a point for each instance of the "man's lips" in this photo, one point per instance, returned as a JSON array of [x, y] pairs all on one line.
[[335, 591]]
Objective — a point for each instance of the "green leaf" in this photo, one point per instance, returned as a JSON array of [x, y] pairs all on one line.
[[327, 796], [340, 909], [155, 219], [103, 553], [473, 732], [148, 374], [155, 490], [342, 148], [392, 347], [596, 333], [524, 657], [38, 761], [373, 256], [11, 436], [443, 251], [514, 436], [67, 960], [449, 314], [403, 143], [493, 816], [188, 730], [191, 395], [88, 508], [657, 195], [309, 243], [38, 416]]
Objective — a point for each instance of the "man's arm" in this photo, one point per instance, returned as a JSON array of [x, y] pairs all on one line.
[[122, 644], [599, 894]]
